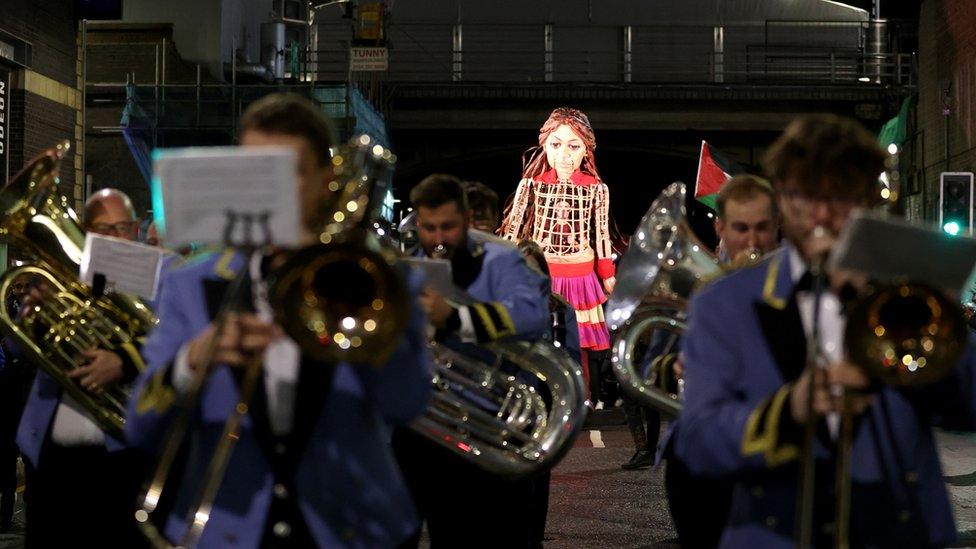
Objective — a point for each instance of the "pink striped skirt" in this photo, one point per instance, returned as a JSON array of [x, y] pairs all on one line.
[[585, 294]]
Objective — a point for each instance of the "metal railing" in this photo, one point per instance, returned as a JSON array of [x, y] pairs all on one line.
[[773, 52]]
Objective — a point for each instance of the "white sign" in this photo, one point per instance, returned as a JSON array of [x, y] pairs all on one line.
[[249, 193], [368, 59], [128, 267], [7, 51]]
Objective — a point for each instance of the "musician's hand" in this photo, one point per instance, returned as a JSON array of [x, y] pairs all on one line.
[[609, 283], [99, 368], [830, 385], [244, 336], [678, 368], [34, 297], [839, 278], [437, 308], [818, 243]]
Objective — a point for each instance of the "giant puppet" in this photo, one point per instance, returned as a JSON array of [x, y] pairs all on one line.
[[562, 204]]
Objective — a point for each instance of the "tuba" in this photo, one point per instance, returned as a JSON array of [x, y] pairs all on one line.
[[663, 266], [38, 223], [512, 421]]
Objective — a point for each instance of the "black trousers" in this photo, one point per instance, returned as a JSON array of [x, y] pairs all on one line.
[[539, 508], [11, 406], [462, 504], [699, 507], [640, 419], [84, 497]]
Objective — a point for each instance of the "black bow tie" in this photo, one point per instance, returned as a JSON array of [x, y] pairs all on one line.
[[847, 293], [805, 284]]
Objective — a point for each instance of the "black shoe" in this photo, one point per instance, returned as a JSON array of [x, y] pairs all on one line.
[[641, 459]]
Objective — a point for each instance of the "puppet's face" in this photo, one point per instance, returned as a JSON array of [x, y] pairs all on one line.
[[565, 151]]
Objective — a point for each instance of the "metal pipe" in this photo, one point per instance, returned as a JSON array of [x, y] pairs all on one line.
[[457, 67], [628, 52], [548, 57], [156, 98], [86, 189], [198, 95]]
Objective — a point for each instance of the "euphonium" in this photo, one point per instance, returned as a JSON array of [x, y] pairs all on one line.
[[664, 264], [38, 224]]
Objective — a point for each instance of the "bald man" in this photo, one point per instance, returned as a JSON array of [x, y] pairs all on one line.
[[71, 463], [110, 212]]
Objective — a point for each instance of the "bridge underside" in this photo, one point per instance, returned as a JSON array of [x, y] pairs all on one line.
[[631, 106]]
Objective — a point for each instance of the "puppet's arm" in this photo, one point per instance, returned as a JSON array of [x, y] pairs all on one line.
[[512, 224]]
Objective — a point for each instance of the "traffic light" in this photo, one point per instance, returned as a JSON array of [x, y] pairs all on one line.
[[956, 202]]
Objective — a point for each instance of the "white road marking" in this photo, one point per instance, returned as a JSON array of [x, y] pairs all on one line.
[[597, 439]]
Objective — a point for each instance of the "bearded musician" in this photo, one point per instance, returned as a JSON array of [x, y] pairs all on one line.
[[508, 301]]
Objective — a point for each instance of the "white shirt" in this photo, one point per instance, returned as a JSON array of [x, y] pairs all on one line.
[[282, 360], [73, 426], [831, 323]]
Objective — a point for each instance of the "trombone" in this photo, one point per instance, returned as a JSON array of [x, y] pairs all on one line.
[[327, 323], [902, 334]]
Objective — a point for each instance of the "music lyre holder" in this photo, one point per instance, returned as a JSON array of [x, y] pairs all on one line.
[[806, 494], [149, 499]]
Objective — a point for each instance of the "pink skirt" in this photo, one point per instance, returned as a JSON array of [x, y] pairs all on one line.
[[585, 294]]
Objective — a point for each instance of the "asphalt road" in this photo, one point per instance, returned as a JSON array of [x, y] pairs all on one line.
[[596, 504]]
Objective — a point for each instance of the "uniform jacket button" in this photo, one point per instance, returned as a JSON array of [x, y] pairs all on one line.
[[281, 529]]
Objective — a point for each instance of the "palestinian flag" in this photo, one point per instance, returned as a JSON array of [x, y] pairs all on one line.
[[714, 169]]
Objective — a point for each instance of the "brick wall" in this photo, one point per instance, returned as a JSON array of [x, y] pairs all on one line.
[[947, 61], [41, 124], [44, 97], [50, 28]]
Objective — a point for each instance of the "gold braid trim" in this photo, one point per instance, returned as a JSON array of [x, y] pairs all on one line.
[[508, 327], [769, 287], [764, 438], [157, 395]]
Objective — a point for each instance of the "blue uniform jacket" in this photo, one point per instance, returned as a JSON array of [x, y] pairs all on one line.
[[349, 489], [741, 350], [511, 299]]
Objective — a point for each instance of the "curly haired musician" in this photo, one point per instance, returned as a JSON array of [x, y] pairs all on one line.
[[747, 384]]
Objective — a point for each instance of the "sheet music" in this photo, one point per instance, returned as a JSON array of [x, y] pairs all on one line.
[[195, 188], [892, 249], [438, 277], [129, 267]]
